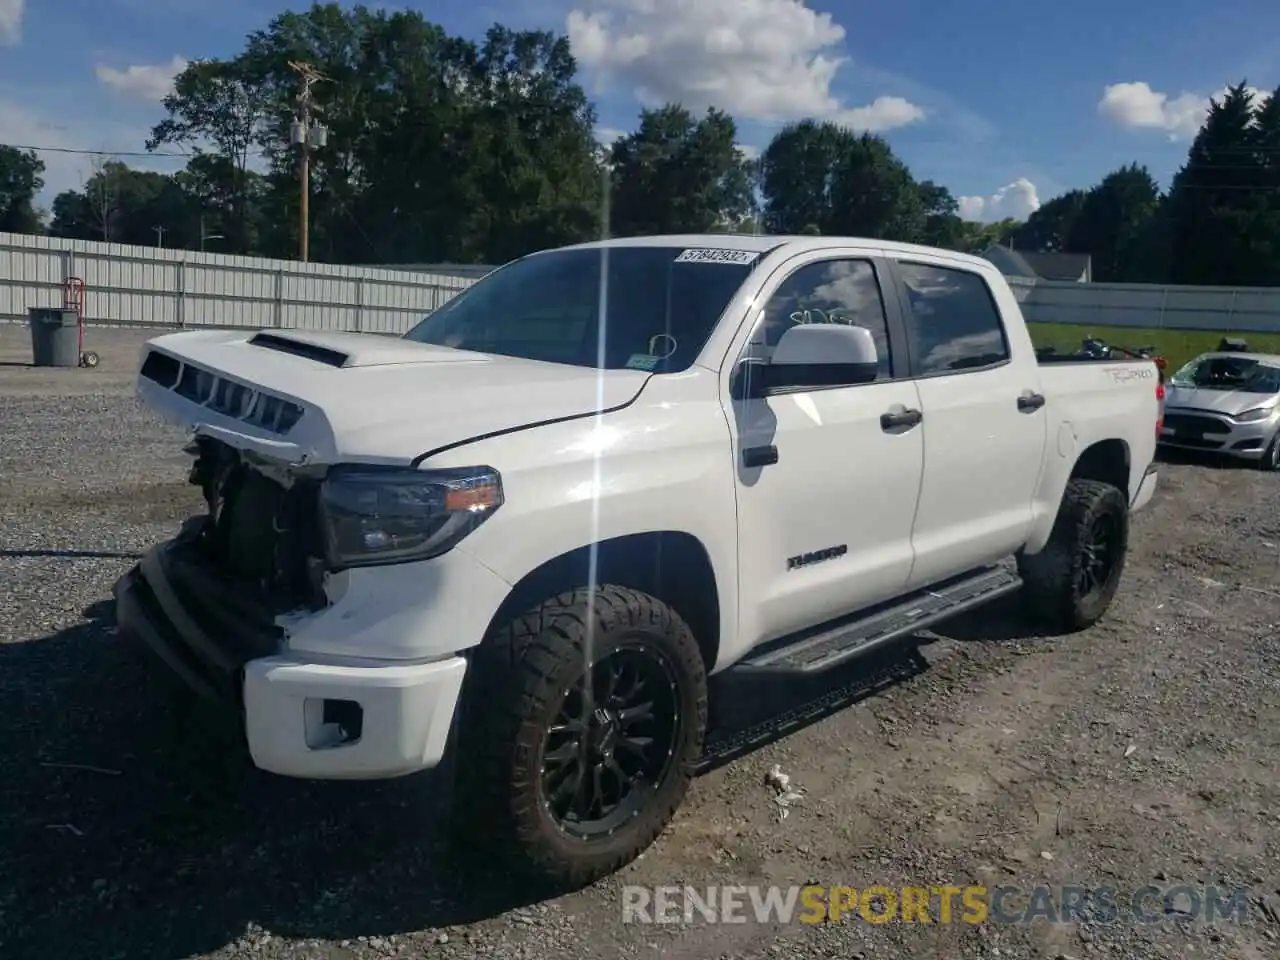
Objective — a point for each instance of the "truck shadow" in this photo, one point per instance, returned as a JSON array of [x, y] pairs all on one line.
[[130, 833], [1002, 621], [132, 830]]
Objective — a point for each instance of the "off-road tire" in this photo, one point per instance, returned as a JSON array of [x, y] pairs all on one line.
[[1270, 459], [1051, 591], [517, 682]]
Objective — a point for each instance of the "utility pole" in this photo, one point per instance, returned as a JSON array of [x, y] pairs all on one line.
[[159, 235], [307, 136]]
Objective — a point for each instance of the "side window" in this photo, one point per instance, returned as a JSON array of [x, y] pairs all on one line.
[[954, 319], [832, 291]]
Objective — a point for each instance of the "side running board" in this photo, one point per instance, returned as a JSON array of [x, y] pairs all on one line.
[[727, 742], [831, 646]]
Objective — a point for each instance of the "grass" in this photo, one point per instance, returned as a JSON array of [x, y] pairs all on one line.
[[1177, 346]]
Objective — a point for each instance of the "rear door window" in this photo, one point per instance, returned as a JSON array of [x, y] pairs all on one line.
[[952, 320]]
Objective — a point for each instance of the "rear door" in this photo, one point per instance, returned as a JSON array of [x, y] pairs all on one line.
[[983, 448], [826, 492]]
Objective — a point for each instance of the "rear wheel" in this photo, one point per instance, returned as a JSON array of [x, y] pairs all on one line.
[[585, 720], [1072, 581]]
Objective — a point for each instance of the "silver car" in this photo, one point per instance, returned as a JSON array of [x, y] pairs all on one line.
[[1227, 403]]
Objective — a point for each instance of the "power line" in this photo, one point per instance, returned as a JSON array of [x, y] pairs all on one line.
[[94, 153], [77, 151]]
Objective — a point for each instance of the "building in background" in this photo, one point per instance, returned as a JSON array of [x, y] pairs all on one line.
[[1072, 267]]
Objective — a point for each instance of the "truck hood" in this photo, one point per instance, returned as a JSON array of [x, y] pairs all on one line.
[[1229, 402], [306, 397]]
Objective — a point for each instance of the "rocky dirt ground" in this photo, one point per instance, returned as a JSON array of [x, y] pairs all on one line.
[[1144, 751]]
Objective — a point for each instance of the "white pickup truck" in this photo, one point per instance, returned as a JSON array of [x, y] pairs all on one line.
[[530, 529]]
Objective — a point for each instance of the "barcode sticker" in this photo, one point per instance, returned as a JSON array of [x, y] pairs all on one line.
[[708, 255]]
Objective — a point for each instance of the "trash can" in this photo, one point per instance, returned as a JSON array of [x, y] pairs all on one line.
[[55, 337]]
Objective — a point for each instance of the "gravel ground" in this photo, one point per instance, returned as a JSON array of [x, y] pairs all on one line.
[[1143, 751]]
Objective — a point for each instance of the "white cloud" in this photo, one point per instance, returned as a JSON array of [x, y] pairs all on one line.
[[11, 12], [763, 60], [1017, 200], [25, 125], [146, 82], [605, 136], [1137, 106]]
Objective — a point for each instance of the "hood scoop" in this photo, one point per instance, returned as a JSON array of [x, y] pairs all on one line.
[[300, 348]]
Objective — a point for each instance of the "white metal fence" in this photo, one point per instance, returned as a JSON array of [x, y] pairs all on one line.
[[1154, 306], [148, 286], [177, 288]]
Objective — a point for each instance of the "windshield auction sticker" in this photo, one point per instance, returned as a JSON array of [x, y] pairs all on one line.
[[705, 255]]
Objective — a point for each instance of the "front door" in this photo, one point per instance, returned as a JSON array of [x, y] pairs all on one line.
[[826, 492]]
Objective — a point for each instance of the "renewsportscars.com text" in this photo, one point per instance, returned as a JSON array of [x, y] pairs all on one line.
[[970, 904]]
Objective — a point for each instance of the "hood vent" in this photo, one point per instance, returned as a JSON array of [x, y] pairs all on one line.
[[299, 348], [224, 396]]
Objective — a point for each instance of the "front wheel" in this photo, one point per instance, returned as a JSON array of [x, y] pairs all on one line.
[[585, 721], [1072, 581], [1270, 460]]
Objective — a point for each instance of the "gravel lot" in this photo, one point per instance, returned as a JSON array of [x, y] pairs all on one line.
[[1143, 751]]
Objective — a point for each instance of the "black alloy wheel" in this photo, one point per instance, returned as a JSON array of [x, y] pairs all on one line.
[[1100, 549], [612, 741]]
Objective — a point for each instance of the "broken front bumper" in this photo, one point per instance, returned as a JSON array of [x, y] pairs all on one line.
[[345, 719]]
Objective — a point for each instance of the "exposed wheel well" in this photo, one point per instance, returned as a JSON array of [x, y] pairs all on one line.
[[669, 565], [1108, 462]]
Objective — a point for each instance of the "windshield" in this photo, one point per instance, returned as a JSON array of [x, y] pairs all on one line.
[[1244, 374], [660, 305]]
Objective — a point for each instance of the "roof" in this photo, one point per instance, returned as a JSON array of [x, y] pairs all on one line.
[[1266, 359], [1043, 266], [1059, 266], [1010, 262], [764, 243]]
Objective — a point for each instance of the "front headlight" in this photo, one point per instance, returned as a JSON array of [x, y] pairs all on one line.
[[376, 515], [1254, 415]]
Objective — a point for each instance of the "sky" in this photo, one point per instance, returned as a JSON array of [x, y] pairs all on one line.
[[1007, 104]]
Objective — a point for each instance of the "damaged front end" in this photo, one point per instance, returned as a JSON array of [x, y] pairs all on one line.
[[263, 528], [213, 598]]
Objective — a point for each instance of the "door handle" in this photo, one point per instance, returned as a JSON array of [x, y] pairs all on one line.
[[759, 456], [896, 419], [1030, 402]]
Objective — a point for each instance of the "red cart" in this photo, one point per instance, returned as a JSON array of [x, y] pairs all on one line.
[[73, 299]]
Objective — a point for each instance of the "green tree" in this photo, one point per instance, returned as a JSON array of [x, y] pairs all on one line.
[[942, 224], [797, 171], [222, 104], [438, 148], [375, 181], [1214, 201], [1048, 229], [1265, 137], [123, 205], [678, 174], [977, 237], [217, 196], [1112, 221], [21, 179], [874, 195], [827, 177], [533, 162]]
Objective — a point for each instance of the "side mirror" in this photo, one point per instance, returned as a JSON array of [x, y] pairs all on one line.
[[822, 355]]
